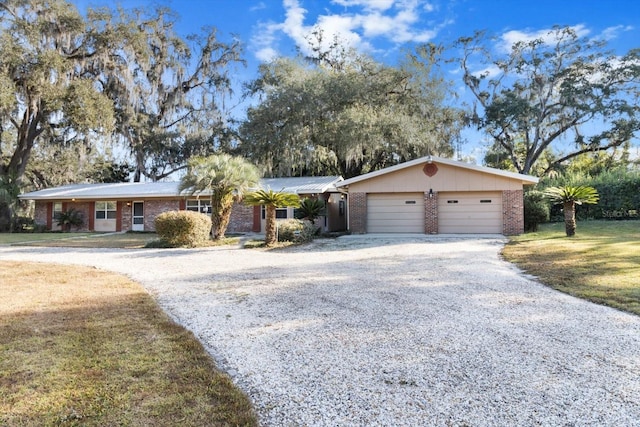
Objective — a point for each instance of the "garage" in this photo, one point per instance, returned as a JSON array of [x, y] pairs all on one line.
[[470, 212], [432, 195], [395, 213]]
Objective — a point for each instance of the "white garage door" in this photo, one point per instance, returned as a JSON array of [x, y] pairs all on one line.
[[395, 213], [469, 213]]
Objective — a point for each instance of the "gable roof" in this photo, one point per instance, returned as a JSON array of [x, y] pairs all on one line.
[[146, 190], [525, 179]]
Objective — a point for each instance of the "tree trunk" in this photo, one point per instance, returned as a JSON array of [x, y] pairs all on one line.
[[271, 236], [570, 218], [221, 205]]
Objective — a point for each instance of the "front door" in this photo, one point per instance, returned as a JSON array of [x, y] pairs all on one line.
[[138, 216]]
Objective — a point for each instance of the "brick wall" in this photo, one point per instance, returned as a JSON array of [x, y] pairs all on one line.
[[512, 212], [153, 208], [126, 215], [40, 214], [241, 220], [358, 212], [85, 210], [431, 213]]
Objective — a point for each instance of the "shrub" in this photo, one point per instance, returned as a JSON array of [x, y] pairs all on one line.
[[295, 230], [536, 210], [71, 217], [310, 209], [183, 228]]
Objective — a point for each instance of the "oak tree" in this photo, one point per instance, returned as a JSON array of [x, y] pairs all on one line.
[[558, 93]]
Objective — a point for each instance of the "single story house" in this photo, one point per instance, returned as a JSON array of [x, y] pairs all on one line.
[[428, 195], [435, 195], [134, 206]]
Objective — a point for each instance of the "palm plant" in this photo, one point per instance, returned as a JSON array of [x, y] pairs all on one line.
[[271, 200], [225, 179], [569, 197], [69, 218], [310, 209]]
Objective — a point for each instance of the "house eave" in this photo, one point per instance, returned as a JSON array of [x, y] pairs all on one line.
[[525, 179]]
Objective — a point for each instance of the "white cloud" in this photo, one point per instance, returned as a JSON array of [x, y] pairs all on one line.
[[259, 6], [612, 32], [264, 40], [266, 54], [547, 35], [489, 72], [356, 25], [367, 4]]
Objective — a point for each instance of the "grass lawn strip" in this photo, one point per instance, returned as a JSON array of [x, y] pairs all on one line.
[[601, 263], [79, 346]]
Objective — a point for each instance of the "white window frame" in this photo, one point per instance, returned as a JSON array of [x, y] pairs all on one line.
[[108, 208], [56, 211], [197, 205], [279, 213]]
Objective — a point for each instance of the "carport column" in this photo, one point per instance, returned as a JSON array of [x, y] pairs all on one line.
[[512, 212], [431, 213], [358, 212]]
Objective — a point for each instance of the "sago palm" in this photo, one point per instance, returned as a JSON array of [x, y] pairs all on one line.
[[271, 200], [224, 179], [569, 197], [310, 209]]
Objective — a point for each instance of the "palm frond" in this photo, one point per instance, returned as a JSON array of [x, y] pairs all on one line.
[[576, 194]]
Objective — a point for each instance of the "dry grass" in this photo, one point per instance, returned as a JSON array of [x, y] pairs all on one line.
[[79, 240], [79, 346], [96, 240], [601, 263]]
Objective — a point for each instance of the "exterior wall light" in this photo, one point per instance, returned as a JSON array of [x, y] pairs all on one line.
[[431, 193]]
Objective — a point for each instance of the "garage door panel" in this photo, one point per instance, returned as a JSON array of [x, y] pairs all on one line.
[[395, 213], [395, 209], [467, 213]]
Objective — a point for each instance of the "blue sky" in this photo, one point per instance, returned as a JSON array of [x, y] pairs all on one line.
[[384, 28]]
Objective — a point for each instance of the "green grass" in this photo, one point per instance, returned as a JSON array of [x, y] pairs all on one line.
[[601, 263], [82, 347], [95, 240], [19, 238]]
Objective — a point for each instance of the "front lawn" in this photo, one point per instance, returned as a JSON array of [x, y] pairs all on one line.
[[20, 238], [94, 240], [601, 263], [79, 346], [79, 240]]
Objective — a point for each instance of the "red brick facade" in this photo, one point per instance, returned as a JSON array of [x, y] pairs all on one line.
[[512, 212], [358, 213], [431, 213], [153, 208], [242, 218]]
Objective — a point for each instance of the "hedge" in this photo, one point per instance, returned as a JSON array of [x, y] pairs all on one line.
[[183, 228]]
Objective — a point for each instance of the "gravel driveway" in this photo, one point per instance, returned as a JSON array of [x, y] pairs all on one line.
[[392, 332]]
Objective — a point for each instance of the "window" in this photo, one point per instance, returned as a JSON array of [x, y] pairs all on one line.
[[485, 201], [281, 213], [105, 210], [452, 201], [197, 205], [57, 211]]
